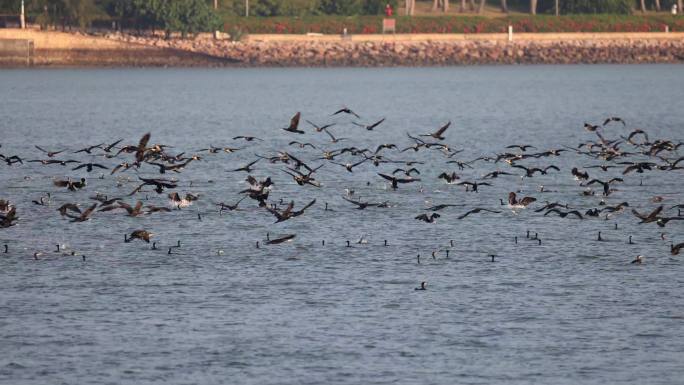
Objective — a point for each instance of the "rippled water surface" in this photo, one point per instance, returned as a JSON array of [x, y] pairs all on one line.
[[218, 310]]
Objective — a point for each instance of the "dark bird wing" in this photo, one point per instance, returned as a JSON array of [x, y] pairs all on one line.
[[281, 239], [251, 180], [109, 148], [126, 206], [359, 204], [639, 215], [43, 150], [372, 126], [86, 213], [389, 178], [137, 189], [473, 211], [577, 213], [655, 212], [308, 205], [553, 211], [527, 200], [294, 122], [142, 146], [359, 162], [407, 180], [442, 129]]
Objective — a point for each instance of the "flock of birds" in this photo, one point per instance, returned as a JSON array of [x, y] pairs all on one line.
[[611, 146]]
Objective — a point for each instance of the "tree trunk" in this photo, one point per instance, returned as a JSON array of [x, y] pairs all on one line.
[[642, 5], [445, 6], [472, 5], [462, 7], [408, 7], [533, 7], [680, 4], [480, 8], [504, 6], [657, 5], [435, 4]]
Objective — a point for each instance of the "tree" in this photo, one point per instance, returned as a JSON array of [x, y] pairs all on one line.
[[375, 7], [9, 6], [657, 5], [504, 6], [83, 12], [443, 4], [480, 8], [339, 7], [533, 7], [592, 6], [642, 5], [79, 13], [184, 16], [410, 7]]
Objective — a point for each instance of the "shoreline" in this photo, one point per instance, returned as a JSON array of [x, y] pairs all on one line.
[[76, 50]]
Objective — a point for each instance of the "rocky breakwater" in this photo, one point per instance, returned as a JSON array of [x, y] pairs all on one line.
[[425, 53]]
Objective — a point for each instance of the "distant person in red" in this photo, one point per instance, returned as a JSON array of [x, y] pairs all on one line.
[[388, 10]]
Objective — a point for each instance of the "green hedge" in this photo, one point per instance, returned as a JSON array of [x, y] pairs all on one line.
[[455, 24]]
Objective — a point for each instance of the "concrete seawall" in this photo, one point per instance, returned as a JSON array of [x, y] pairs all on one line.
[[60, 49], [16, 52], [63, 49]]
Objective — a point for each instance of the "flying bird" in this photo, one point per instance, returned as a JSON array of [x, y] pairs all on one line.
[[563, 214], [428, 218], [515, 203], [395, 181], [50, 154], [143, 235], [439, 133], [369, 127], [346, 110], [614, 119], [89, 167], [319, 128], [477, 210]]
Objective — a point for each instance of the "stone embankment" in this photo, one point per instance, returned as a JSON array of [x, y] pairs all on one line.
[[322, 53]]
